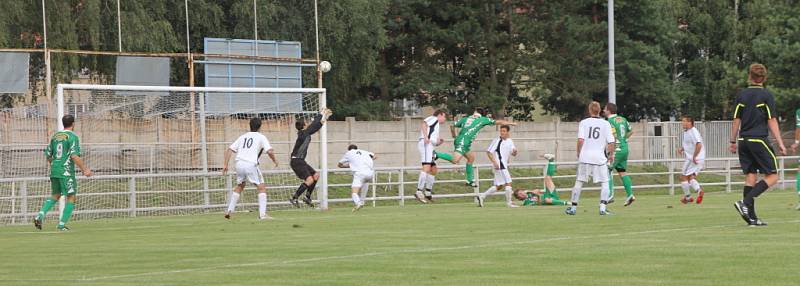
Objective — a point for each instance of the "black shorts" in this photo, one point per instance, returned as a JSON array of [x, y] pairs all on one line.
[[301, 168], [757, 156]]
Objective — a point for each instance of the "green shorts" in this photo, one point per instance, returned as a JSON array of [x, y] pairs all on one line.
[[64, 186], [620, 160], [462, 145]]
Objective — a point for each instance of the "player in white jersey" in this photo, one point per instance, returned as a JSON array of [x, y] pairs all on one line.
[[361, 163], [693, 148], [500, 152], [428, 139], [595, 150], [248, 149]]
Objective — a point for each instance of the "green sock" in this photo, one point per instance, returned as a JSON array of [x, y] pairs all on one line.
[[48, 204], [67, 213], [611, 183], [445, 156], [797, 183], [626, 181], [470, 173], [557, 202]]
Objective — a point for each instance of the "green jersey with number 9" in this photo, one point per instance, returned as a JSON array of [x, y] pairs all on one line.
[[63, 145]]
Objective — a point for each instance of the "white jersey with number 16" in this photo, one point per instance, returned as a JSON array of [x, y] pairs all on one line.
[[596, 134]]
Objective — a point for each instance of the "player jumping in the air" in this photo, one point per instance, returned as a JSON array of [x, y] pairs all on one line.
[[428, 139], [298, 162], [622, 131], [794, 149], [695, 153], [63, 153], [499, 153], [547, 197], [595, 140], [248, 149], [361, 163], [753, 120], [470, 126]]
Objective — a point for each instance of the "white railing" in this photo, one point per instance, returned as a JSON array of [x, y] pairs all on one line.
[[16, 207]]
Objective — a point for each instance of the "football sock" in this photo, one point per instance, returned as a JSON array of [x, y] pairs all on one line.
[[356, 198], [576, 192], [757, 190], [429, 182], [509, 193], [469, 174], [489, 192], [311, 189], [48, 204], [610, 183], [300, 190], [67, 214], [797, 182], [626, 181], [445, 156], [604, 191], [695, 185], [234, 200], [423, 179], [685, 188], [262, 204]]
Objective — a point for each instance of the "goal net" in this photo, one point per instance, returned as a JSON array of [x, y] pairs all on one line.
[[159, 150]]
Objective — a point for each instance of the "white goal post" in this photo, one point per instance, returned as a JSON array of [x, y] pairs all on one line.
[[131, 134]]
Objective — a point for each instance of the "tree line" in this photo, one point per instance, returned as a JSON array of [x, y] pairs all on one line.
[[672, 56]]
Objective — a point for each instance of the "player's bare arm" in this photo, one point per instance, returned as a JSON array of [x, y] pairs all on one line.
[[423, 130], [796, 140], [228, 154], [492, 159], [734, 134], [697, 147], [79, 162], [504, 122], [578, 148], [610, 150], [775, 130]]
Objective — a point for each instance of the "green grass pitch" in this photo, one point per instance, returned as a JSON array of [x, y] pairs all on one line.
[[656, 241]]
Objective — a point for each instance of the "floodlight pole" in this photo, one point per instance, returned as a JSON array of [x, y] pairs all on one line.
[[48, 73], [612, 81], [119, 27], [316, 33]]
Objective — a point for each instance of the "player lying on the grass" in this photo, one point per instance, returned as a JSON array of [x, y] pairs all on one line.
[[695, 155], [428, 139], [622, 131], [500, 152], [470, 126], [595, 140], [63, 153], [361, 163], [547, 197], [248, 148], [299, 152], [794, 150]]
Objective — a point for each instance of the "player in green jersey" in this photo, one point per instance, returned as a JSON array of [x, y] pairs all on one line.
[[794, 149], [622, 131], [547, 197], [470, 126], [63, 153]]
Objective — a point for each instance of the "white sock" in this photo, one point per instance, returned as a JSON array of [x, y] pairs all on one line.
[[602, 207], [576, 192], [232, 204], [429, 182], [489, 192], [695, 185], [509, 193], [356, 198], [423, 179], [364, 190], [685, 187], [262, 204], [605, 191]]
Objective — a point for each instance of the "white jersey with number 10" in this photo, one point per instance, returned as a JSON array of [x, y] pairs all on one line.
[[249, 147], [596, 134]]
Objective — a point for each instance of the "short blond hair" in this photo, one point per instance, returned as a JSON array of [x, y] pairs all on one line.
[[594, 108], [757, 73]]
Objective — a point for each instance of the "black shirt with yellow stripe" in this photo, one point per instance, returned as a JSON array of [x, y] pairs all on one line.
[[754, 106]]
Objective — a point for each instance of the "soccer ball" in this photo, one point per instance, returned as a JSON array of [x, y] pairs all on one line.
[[325, 66]]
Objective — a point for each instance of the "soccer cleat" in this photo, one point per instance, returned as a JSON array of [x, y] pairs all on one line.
[[358, 207], [610, 200], [606, 212], [548, 156], [512, 205], [629, 200], [63, 228], [37, 223], [686, 200], [571, 210], [227, 215], [420, 197], [480, 201], [294, 202], [700, 197], [308, 202], [798, 207], [435, 157], [472, 184], [265, 217], [429, 195], [744, 212], [757, 222]]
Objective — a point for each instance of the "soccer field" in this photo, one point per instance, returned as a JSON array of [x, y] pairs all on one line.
[[656, 241]]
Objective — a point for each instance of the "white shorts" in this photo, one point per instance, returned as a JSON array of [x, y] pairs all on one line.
[[598, 172], [361, 179], [425, 152], [501, 177], [690, 168], [248, 172]]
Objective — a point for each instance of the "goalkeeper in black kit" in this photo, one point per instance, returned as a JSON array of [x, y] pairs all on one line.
[[298, 162]]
